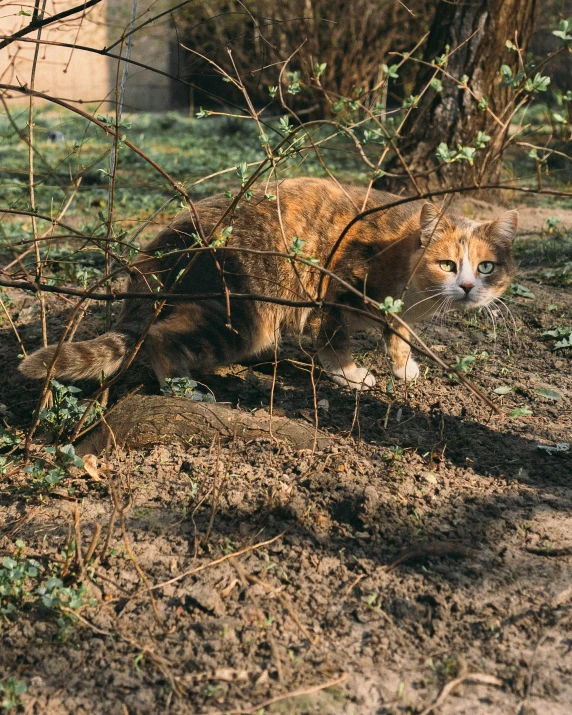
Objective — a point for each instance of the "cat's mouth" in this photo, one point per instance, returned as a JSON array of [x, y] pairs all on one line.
[[469, 301]]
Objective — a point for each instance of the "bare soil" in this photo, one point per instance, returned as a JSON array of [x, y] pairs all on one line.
[[424, 557]]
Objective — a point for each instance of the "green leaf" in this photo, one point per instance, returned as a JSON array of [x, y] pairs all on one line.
[[466, 153], [390, 305], [242, 172], [503, 390], [294, 79], [522, 411], [481, 140], [540, 83], [564, 343], [444, 154], [436, 84], [522, 291], [563, 27], [557, 332], [284, 123], [441, 61], [548, 394], [411, 101], [297, 245], [391, 72]]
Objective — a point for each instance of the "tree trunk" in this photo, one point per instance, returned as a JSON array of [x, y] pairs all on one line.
[[144, 420], [476, 33]]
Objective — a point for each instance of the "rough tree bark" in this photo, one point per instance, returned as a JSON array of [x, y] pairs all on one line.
[[476, 32], [145, 420]]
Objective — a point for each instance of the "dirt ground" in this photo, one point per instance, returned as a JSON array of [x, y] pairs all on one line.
[[421, 563]]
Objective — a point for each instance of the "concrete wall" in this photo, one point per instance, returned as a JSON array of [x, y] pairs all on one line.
[[63, 72], [76, 75]]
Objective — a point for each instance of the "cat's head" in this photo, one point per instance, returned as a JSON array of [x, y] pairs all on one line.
[[469, 262]]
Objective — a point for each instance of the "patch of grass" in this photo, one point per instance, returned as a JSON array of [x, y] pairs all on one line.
[[11, 691], [188, 149], [553, 250], [24, 583]]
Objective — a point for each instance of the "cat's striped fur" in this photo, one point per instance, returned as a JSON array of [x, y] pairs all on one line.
[[378, 256]]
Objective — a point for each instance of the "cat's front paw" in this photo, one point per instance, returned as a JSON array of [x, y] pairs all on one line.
[[407, 372], [357, 378]]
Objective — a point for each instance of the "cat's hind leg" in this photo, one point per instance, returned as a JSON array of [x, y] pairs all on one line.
[[196, 337]]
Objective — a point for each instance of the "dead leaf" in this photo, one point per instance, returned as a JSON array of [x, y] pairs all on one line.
[[90, 466]]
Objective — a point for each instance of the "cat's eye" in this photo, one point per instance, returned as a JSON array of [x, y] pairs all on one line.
[[448, 266], [486, 267]]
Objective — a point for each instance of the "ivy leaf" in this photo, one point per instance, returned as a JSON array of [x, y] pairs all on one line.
[[564, 343]]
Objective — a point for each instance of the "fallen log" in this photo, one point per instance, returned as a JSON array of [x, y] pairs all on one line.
[[145, 420]]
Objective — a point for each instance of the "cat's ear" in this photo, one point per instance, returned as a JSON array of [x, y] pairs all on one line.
[[432, 224], [503, 228]]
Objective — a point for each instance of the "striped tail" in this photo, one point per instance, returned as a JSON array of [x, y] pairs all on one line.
[[84, 360]]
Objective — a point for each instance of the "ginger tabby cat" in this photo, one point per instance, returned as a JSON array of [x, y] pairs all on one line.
[[409, 251]]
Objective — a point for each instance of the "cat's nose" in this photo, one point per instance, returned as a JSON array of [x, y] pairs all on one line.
[[467, 287]]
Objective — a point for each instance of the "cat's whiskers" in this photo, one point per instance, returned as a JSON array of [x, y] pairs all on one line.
[[445, 309], [487, 308], [501, 305], [509, 329], [441, 309], [431, 297]]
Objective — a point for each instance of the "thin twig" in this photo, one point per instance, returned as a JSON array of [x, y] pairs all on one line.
[[215, 562], [294, 694], [481, 678]]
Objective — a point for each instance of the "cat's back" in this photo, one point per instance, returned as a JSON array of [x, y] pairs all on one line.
[[307, 207], [314, 210]]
